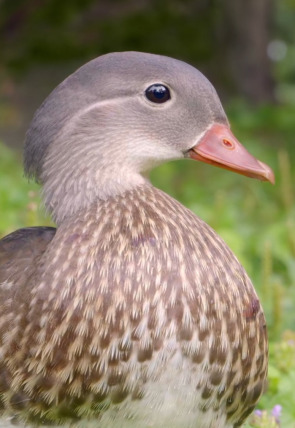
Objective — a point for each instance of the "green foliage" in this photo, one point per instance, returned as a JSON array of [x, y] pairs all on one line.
[[19, 199], [255, 219]]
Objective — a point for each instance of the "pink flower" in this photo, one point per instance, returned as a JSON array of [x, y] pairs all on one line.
[[276, 412]]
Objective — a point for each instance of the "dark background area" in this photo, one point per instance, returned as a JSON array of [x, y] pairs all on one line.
[[244, 47]]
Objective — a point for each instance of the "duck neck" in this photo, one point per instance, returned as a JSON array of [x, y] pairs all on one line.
[[92, 160], [79, 190]]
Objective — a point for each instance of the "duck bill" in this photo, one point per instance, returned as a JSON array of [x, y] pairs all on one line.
[[219, 147]]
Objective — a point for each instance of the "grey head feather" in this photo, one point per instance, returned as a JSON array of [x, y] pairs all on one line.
[[107, 77]]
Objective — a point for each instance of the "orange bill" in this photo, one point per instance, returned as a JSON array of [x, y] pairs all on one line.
[[219, 147]]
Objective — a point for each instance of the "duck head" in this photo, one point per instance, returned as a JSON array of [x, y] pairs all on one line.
[[102, 129]]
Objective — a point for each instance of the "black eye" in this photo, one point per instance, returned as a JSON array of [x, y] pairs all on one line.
[[157, 93]]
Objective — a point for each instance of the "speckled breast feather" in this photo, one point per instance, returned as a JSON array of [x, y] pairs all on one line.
[[134, 314]]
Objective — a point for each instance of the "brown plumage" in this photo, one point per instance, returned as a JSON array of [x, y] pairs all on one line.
[[133, 312]]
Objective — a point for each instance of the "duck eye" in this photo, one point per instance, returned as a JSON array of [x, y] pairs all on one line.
[[157, 93]]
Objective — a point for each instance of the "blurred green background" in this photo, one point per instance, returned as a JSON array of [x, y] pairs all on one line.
[[247, 50]]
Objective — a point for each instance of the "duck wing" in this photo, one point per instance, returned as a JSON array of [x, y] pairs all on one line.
[[20, 249]]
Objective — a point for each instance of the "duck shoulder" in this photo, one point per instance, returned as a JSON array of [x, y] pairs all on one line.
[[19, 249]]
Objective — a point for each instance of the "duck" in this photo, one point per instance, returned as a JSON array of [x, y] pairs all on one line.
[[132, 311]]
